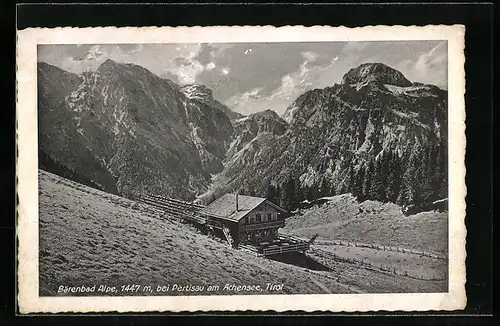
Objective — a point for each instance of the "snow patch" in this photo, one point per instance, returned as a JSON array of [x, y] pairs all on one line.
[[413, 91], [242, 119], [289, 113], [370, 128], [412, 117]]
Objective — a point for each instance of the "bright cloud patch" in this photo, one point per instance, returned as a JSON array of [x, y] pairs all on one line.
[[431, 67]]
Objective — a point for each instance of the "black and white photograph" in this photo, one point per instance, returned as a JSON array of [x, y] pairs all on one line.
[[243, 168]]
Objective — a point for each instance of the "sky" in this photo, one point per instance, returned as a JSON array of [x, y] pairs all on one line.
[[252, 77]]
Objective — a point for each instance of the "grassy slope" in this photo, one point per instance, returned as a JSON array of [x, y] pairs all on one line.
[[372, 222], [90, 237]]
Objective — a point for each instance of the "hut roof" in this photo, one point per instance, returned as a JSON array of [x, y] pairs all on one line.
[[225, 206]]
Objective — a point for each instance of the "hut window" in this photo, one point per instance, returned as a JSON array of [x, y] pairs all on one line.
[[258, 218], [269, 216]]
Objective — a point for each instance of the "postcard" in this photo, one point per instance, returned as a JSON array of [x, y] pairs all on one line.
[[235, 168]]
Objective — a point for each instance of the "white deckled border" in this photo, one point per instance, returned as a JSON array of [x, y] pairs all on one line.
[[27, 170]]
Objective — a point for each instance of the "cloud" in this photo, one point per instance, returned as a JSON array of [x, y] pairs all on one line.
[[241, 102], [252, 94], [94, 53], [225, 71], [129, 49], [310, 56], [210, 66], [290, 87], [185, 66], [355, 46], [301, 80], [428, 67], [187, 72]]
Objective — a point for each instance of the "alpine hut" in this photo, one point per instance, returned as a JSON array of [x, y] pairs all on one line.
[[252, 223]]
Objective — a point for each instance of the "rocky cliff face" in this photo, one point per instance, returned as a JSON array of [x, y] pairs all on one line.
[[204, 95], [335, 134], [127, 130]]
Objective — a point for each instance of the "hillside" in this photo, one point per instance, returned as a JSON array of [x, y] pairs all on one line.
[[342, 217], [89, 237]]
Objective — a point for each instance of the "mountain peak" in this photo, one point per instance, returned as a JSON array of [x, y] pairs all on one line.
[[108, 65], [197, 92], [379, 72]]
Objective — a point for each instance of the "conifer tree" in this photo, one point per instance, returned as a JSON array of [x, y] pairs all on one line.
[[393, 186], [368, 178], [359, 178], [349, 181], [271, 193], [324, 188], [312, 192], [376, 184], [288, 198], [299, 191], [425, 172]]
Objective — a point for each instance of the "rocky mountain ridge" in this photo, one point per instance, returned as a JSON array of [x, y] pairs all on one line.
[[126, 130], [204, 95], [375, 120]]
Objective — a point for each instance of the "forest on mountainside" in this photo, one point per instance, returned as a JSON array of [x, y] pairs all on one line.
[[414, 179]]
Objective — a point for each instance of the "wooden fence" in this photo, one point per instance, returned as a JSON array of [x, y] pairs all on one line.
[[369, 266], [383, 247]]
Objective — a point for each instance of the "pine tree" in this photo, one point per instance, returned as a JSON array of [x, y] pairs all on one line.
[[425, 173], [410, 192], [271, 193], [324, 188], [376, 185], [441, 174], [393, 186], [333, 191], [349, 181], [288, 198], [312, 193], [368, 179], [299, 192], [359, 178]]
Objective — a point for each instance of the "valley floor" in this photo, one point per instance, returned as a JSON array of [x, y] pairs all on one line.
[[88, 237]]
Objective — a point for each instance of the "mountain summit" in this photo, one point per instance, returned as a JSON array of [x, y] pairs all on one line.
[[204, 94], [379, 72]]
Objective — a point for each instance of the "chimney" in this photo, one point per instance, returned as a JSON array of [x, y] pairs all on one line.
[[236, 200]]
